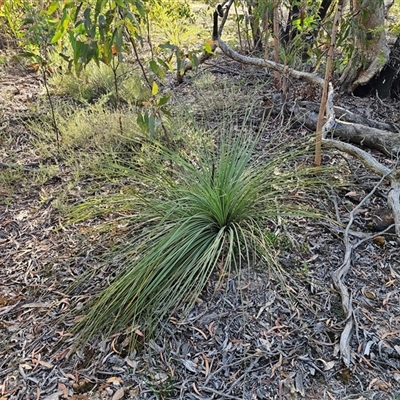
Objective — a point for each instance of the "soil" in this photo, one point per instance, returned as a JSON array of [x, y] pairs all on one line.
[[248, 336]]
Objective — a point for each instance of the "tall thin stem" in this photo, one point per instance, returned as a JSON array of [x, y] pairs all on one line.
[[117, 98], [328, 77], [53, 115]]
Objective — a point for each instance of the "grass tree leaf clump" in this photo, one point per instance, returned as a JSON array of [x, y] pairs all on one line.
[[195, 215]]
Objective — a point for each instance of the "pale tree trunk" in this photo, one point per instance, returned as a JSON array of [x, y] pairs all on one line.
[[371, 51]]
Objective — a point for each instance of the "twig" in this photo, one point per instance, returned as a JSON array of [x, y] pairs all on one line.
[[373, 165], [340, 274], [8, 309], [219, 394], [53, 116], [259, 62]]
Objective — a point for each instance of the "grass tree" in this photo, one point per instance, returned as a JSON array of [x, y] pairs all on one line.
[[191, 218]]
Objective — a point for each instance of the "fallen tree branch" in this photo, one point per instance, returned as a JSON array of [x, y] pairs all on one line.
[[259, 62], [348, 116], [339, 275], [387, 142], [384, 140], [375, 166], [369, 161]]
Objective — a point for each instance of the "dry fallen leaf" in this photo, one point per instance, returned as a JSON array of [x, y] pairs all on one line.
[[115, 380], [379, 240], [54, 396], [25, 366], [132, 363], [63, 388], [45, 364], [119, 394], [189, 365], [327, 364]]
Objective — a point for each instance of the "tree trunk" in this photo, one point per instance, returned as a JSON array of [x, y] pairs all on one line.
[[387, 83], [371, 51]]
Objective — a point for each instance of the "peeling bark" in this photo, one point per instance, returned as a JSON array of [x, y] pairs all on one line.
[[349, 127], [371, 51], [387, 83]]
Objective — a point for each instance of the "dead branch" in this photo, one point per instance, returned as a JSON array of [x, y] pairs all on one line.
[[380, 136], [259, 62], [375, 166], [387, 142], [339, 275], [342, 115]]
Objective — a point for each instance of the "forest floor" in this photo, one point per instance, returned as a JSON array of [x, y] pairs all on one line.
[[245, 338]]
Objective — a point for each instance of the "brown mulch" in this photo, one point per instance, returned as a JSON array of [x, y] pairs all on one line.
[[248, 337]]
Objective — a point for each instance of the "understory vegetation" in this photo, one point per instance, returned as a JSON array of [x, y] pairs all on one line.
[[188, 197], [180, 175], [208, 211]]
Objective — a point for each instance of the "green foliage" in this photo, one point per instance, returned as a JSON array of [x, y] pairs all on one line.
[[32, 27], [96, 32], [13, 12], [150, 118], [173, 22], [184, 219], [102, 33], [97, 83], [88, 133]]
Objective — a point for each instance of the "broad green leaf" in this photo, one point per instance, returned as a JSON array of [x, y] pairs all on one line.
[[102, 21], [98, 7], [163, 100], [139, 7], [52, 7], [152, 126], [57, 36], [154, 89], [120, 3], [156, 69], [208, 47], [118, 40], [87, 22], [132, 29], [169, 46], [72, 40], [164, 64], [195, 61]]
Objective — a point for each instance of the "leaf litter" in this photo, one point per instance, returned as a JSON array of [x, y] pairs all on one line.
[[244, 338]]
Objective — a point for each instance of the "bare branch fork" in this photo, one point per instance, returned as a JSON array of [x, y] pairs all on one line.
[[339, 275]]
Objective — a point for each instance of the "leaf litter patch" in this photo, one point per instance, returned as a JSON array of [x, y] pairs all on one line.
[[246, 336]]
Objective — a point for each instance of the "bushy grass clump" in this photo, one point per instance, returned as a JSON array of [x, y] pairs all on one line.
[[97, 82], [188, 216]]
